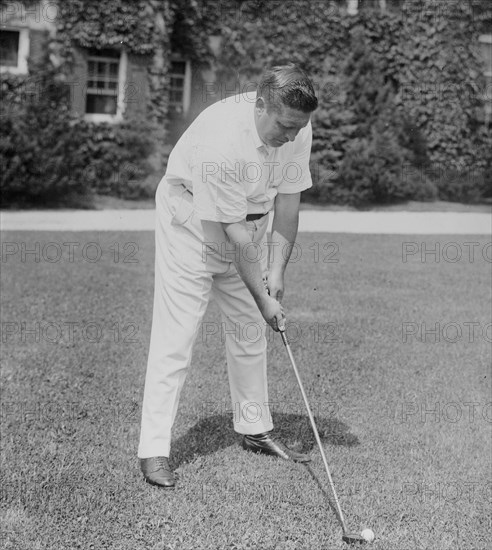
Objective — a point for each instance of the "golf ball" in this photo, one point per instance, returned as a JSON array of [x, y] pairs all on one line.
[[368, 535]]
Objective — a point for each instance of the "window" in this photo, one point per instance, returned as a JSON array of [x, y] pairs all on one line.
[[102, 82], [9, 48], [14, 50], [180, 84], [106, 72], [486, 50]]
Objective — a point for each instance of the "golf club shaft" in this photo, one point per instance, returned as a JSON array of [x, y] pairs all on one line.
[[315, 429]]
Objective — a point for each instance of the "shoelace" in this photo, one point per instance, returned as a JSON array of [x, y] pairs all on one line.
[[162, 462], [258, 437]]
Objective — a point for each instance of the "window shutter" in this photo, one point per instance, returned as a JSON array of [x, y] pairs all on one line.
[[78, 83], [136, 87], [38, 42]]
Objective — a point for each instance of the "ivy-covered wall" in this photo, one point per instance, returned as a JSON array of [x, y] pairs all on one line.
[[141, 28], [401, 91], [428, 54], [103, 157]]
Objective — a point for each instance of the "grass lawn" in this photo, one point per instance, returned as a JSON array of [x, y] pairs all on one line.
[[404, 414]]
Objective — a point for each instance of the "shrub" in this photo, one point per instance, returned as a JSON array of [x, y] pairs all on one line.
[[362, 152], [48, 157], [112, 159], [462, 186], [36, 144], [377, 170]]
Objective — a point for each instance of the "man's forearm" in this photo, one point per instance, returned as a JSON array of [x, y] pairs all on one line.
[[284, 231]]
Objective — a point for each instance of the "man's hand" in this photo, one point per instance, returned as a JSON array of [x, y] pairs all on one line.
[[272, 312], [275, 285]]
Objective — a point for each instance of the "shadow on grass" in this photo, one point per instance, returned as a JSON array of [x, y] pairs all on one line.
[[216, 432]]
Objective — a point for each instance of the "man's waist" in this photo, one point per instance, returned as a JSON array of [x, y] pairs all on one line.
[[252, 216]]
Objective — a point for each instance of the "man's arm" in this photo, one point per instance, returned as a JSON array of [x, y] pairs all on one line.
[[250, 273], [284, 232]]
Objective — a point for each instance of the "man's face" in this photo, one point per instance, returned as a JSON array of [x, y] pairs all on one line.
[[277, 128]]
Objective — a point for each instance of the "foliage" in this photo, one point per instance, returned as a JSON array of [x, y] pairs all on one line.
[[140, 27], [113, 157], [364, 158], [46, 155], [427, 85], [36, 138], [429, 76], [95, 24], [439, 84], [194, 21]]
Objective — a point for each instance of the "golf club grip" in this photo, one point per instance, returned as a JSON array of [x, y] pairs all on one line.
[[315, 429], [284, 337]]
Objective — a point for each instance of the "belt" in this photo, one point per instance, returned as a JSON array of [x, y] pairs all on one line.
[[254, 217]]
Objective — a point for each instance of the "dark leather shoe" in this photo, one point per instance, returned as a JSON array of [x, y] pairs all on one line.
[[262, 443], [156, 471]]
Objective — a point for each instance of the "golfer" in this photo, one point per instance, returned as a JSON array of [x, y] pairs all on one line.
[[241, 157]]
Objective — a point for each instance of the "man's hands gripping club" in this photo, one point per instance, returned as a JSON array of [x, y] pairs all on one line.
[[274, 285], [273, 313]]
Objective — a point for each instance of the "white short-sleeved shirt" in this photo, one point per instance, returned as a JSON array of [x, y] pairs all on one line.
[[229, 170]]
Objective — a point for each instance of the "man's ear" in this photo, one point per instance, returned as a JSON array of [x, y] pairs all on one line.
[[260, 105]]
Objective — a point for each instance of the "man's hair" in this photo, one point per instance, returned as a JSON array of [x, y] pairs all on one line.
[[287, 85]]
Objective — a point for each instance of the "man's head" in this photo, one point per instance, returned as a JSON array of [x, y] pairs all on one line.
[[285, 100]]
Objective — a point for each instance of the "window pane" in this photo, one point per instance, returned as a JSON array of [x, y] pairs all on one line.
[[104, 52], [177, 83], [487, 55], [101, 104], [103, 86], [9, 48], [175, 97], [178, 67]]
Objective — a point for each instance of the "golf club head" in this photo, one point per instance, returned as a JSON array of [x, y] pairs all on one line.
[[353, 538]]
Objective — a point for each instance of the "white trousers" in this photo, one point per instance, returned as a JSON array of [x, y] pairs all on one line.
[[193, 262]]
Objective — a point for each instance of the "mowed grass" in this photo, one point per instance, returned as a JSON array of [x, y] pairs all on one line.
[[404, 415]]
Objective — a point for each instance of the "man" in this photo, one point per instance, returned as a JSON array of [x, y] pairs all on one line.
[[240, 158]]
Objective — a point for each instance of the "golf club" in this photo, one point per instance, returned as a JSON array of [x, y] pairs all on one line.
[[349, 538]]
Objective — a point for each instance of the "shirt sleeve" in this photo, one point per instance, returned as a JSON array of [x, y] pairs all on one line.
[[296, 173], [218, 192]]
